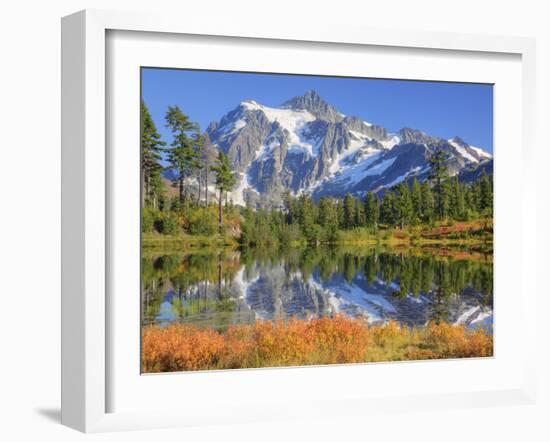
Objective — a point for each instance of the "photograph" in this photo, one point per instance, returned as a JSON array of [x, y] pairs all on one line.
[[303, 220]]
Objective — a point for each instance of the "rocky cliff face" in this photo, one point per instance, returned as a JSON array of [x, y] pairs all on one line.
[[307, 146]]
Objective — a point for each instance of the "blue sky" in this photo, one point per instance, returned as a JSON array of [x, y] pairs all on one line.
[[437, 108]]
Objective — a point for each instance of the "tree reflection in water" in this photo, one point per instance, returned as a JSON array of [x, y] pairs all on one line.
[[217, 289]]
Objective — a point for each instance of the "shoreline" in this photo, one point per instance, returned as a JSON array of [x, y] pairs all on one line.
[[476, 234], [444, 247]]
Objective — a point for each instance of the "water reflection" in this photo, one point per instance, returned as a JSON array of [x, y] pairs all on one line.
[[219, 289]]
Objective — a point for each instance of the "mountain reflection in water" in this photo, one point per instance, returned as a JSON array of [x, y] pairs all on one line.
[[219, 289]]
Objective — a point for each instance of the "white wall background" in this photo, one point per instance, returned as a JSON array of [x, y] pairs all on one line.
[[30, 214]]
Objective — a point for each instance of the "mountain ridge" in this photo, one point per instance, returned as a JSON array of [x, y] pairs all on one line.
[[307, 146]]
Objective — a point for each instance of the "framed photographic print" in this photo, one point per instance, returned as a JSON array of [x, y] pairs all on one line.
[[250, 215]]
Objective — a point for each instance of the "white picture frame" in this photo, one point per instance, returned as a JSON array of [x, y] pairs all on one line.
[[86, 356]]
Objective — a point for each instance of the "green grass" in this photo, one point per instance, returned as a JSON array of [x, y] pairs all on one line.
[[476, 235], [170, 242]]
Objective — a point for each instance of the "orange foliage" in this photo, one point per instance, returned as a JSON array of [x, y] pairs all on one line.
[[335, 340], [456, 341]]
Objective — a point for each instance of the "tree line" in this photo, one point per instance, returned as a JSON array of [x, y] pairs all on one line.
[[408, 204]]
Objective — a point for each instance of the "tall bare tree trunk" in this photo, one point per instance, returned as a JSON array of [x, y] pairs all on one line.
[[142, 187], [220, 211], [206, 184], [200, 189], [219, 277]]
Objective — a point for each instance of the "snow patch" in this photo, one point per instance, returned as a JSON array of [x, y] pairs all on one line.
[[237, 194], [391, 142], [463, 318], [481, 152], [292, 121], [463, 152], [413, 171], [355, 173], [351, 297], [358, 136], [242, 284]]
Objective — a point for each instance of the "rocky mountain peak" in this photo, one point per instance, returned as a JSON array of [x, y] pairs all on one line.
[[408, 135], [459, 141], [307, 147], [313, 103]]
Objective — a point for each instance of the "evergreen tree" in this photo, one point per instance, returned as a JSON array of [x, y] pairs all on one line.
[[359, 219], [457, 199], [445, 199], [485, 194], [225, 181], [340, 213], [437, 176], [327, 217], [307, 210], [349, 212], [307, 218], [325, 213], [387, 211], [404, 205], [372, 210], [427, 208], [182, 156], [416, 197], [151, 148]]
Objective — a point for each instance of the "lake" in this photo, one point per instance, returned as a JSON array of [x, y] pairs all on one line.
[[412, 287]]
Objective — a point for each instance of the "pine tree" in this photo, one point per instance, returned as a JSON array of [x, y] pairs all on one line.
[[404, 205], [359, 218], [387, 210], [349, 211], [476, 196], [225, 180], [445, 199], [182, 155], [307, 218], [151, 148], [427, 209], [326, 213], [372, 210], [437, 176], [457, 199], [327, 217], [485, 194], [340, 213], [416, 197]]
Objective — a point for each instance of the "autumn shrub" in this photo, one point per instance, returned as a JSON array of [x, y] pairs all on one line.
[[180, 347], [202, 221], [336, 340], [458, 342]]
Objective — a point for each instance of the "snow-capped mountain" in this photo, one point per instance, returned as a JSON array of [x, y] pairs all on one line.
[[306, 145]]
